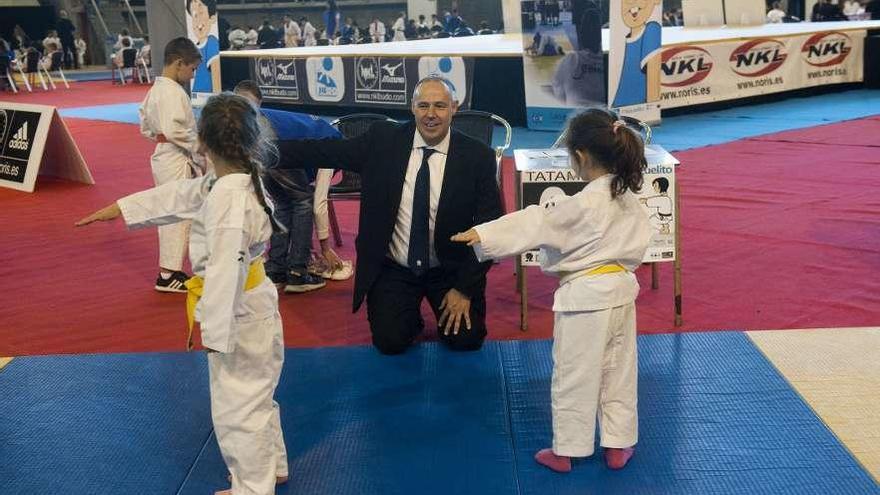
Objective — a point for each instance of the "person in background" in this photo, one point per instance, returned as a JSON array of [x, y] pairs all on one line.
[[268, 37], [289, 251], [399, 28], [412, 31], [65, 30], [121, 36], [484, 28], [81, 48], [852, 8], [331, 18], [348, 31], [51, 39], [119, 57], [237, 38], [377, 31], [436, 24], [776, 14], [252, 38], [309, 32], [423, 30], [292, 32], [145, 55], [223, 29]]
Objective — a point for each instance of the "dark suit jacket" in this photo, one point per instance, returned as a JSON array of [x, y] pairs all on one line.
[[469, 196]]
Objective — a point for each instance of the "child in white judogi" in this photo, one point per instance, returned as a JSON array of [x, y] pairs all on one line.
[[238, 305], [166, 117], [593, 241]]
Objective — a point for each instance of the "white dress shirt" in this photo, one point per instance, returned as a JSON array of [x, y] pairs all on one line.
[[398, 249]]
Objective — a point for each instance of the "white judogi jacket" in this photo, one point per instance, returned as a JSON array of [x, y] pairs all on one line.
[[229, 230], [584, 231], [167, 110], [399, 29], [292, 34]]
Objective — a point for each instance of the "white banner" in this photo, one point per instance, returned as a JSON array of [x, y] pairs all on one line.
[[707, 72], [636, 34]]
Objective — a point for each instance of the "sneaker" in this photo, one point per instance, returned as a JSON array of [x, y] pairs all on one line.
[[297, 283], [174, 283], [342, 273]]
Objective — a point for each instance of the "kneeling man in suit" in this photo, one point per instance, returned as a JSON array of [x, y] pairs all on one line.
[[421, 183]]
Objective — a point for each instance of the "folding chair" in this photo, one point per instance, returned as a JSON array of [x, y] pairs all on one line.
[[143, 65], [481, 126], [4, 66], [129, 61], [57, 66], [15, 65], [349, 188], [32, 60]]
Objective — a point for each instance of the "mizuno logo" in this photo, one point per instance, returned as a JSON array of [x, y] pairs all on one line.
[[391, 69], [20, 140]]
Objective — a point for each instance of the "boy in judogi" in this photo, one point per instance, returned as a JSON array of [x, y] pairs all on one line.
[[167, 118]]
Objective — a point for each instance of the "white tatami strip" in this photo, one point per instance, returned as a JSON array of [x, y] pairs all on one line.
[[837, 372]]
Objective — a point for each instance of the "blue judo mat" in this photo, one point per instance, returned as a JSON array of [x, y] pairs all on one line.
[[715, 418]]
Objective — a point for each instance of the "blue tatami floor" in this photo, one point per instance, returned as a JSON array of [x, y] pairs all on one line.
[[716, 418]]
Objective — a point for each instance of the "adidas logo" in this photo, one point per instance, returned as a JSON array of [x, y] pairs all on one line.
[[20, 140]]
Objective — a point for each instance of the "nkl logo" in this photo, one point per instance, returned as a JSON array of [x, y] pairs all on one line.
[[685, 65], [826, 49], [20, 140], [758, 57]]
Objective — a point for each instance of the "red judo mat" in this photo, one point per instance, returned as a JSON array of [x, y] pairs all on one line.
[[80, 94], [777, 232]]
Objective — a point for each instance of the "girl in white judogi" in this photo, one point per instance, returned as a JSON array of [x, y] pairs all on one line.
[[238, 309], [593, 241], [399, 28], [166, 117]]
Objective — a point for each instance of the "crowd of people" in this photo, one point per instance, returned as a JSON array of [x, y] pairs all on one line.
[[59, 48], [333, 29], [823, 11]]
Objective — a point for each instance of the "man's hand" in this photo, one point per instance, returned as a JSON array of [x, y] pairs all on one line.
[[455, 310], [471, 237], [103, 215]]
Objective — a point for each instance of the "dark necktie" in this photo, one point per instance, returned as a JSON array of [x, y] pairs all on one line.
[[418, 258]]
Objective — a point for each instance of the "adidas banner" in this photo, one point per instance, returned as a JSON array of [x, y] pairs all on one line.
[[34, 141], [357, 81], [19, 130]]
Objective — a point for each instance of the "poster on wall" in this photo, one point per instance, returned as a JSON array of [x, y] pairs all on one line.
[[634, 58], [657, 198], [563, 61], [202, 29]]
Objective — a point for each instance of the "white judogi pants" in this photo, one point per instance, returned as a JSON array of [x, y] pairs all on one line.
[[595, 372], [169, 164], [246, 418]]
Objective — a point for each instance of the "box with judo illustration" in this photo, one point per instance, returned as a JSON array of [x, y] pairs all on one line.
[[373, 81], [546, 178]]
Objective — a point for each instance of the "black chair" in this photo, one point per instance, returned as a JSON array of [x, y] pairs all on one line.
[[57, 65], [481, 126], [349, 187], [129, 61], [32, 66]]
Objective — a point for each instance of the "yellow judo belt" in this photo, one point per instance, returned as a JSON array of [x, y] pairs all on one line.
[[598, 270], [194, 286]]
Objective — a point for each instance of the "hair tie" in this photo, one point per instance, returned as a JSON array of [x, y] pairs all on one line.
[[617, 124]]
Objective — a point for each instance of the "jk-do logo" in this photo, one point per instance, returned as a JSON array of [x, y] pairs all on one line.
[[758, 57], [326, 78], [367, 73], [265, 69], [450, 68]]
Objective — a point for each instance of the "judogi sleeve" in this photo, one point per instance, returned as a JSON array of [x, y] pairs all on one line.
[[322, 189], [169, 203], [226, 270], [534, 227]]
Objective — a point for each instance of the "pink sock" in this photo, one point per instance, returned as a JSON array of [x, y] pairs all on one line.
[[558, 463]]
